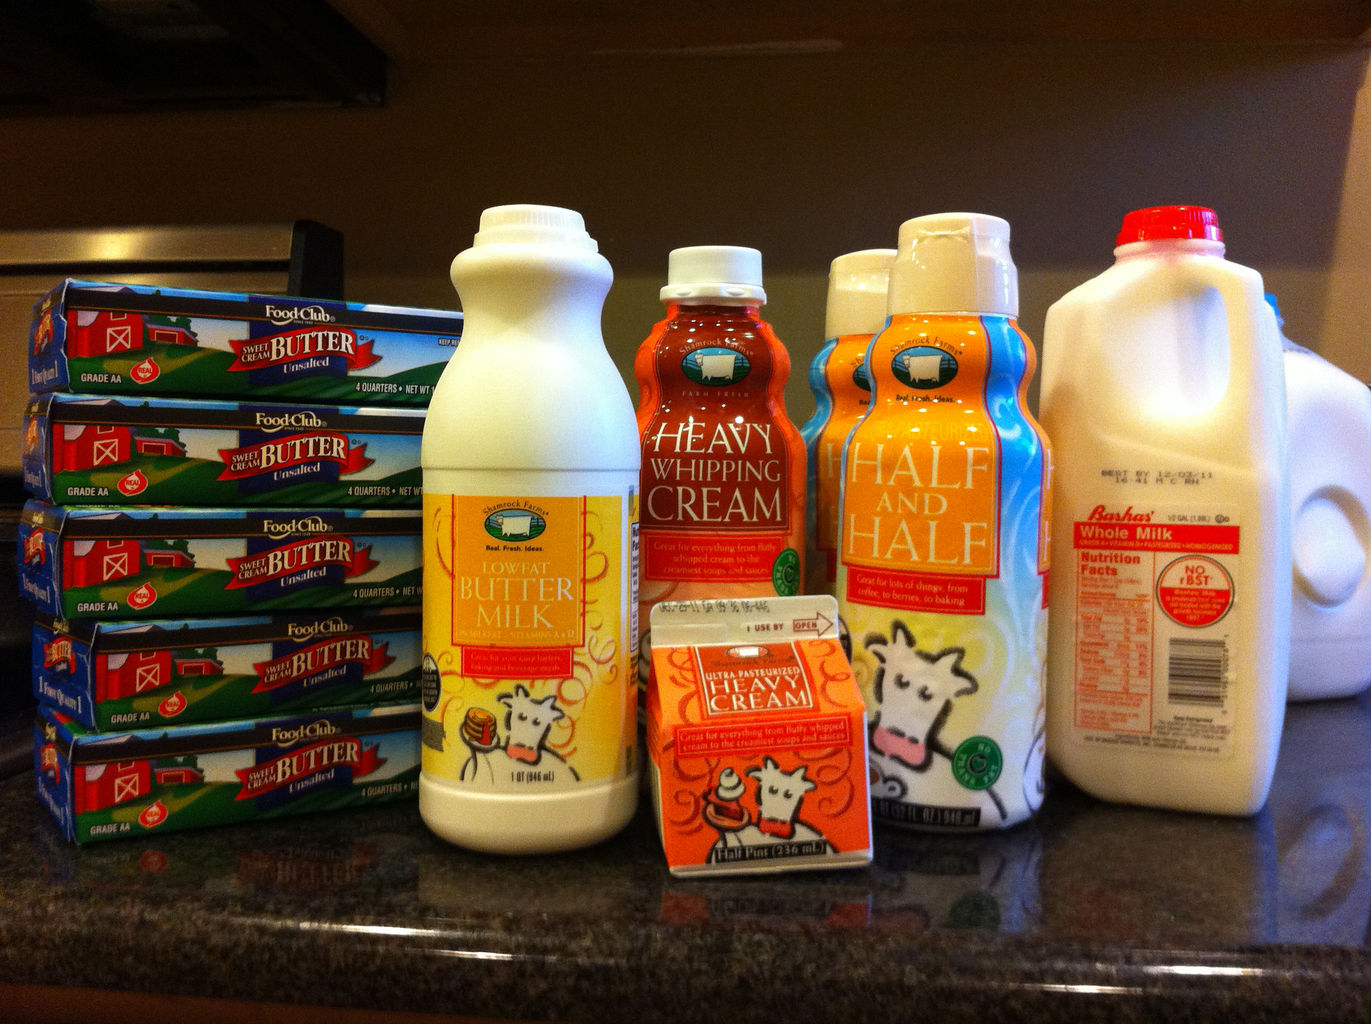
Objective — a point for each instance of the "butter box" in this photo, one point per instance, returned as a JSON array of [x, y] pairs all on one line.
[[95, 562], [93, 338], [111, 785], [121, 675], [180, 451], [756, 732]]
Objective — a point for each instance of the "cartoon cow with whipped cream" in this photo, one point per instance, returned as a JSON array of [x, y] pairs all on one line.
[[779, 796], [915, 693]]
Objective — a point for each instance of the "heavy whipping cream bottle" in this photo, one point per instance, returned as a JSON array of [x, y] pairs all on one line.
[[1163, 390], [530, 458], [723, 484], [943, 542], [856, 309]]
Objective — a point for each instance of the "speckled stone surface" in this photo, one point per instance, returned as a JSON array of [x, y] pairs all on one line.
[[1091, 912]]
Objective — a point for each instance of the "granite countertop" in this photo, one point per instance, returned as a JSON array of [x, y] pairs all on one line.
[[1090, 912]]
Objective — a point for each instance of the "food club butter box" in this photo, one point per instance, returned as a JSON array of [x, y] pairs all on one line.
[[111, 563], [756, 732], [118, 675], [109, 785], [161, 451], [88, 337]]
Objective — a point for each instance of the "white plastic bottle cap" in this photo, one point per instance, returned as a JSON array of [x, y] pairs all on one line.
[[857, 286], [954, 263], [529, 224], [719, 273]]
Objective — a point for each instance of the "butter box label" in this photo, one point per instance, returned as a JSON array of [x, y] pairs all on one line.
[[127, 451], [111, 785], [120, 675], [93, 338], [78, 562]]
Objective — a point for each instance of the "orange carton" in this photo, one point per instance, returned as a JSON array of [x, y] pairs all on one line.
[[757, 734]]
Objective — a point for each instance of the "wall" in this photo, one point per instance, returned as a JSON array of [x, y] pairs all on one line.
[[803, 156]]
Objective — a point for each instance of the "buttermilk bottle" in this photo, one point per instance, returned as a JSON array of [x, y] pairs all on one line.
[[530, 457]]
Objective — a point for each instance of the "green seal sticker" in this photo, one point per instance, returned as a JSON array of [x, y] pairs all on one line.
[[785, 573], [977, 762]]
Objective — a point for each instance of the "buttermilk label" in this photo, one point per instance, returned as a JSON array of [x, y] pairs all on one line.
[[517, 588], [720, 475]]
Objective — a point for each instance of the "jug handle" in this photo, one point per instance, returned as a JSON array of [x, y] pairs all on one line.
[[1248, 315]]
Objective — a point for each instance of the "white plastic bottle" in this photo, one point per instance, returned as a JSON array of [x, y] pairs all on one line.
[[1164, 395], [1330, 508], [531, 459]]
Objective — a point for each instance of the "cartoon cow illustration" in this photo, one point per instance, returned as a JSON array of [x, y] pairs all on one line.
[[523, 756], [779, 797], [718, 366], [915, 692], [923, 369]]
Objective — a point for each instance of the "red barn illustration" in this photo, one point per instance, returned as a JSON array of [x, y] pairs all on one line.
[[89, 447], [93, 334], [178, 774], [197, 667], [168, 559], [158, 446], [104, 785], [99, 561], [128, 675]]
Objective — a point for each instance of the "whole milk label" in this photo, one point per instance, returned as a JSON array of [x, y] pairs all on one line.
[[529, 627], [1153, 636], [943, 548]]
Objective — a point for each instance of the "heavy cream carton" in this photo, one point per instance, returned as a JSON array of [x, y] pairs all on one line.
[[113, 785], [118, 675], [93, 338], [150, 562], [756, 732], [180, 451]]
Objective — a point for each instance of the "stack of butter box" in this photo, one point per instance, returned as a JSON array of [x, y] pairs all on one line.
[[226, 571]]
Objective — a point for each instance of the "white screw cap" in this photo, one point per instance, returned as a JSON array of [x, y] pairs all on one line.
[[954, 263], [528, 224], [714, 273], [857, 285]]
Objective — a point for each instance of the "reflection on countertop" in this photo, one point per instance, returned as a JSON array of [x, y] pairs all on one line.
[[1091, 911]]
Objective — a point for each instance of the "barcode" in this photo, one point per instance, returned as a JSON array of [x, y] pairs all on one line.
[[1197, 672]]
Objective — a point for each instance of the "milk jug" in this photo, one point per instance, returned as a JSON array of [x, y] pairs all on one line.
[[942, 538], [723, 486], [1164, 393], [530, 458], [855, 310], [1330, 508]]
